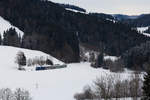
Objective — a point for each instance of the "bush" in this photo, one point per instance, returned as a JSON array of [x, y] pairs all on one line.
[[18, 94], [49, 62], [111, 86], [20, 59], [39, 61], [114, 66], [87, 94], [21, 94]]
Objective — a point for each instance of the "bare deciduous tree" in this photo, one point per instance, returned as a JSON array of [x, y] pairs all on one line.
[[111, 86]]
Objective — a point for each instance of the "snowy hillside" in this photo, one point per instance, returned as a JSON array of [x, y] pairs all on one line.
[[73, 10], [5, 25], [58, 84], [142, 29], [8, 55]]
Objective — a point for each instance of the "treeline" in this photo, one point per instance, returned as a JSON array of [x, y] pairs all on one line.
[[22, 61], [142, 21], [111, 86], [11, 38], [147, 31], [50, 28], [138, 58], [17, 94], [103, 16], [44, 26]]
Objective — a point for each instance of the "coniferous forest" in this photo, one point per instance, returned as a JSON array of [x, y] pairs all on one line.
[[52, 29]]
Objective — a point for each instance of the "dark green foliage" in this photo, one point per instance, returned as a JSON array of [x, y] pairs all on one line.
[[102, 16], [148, 30], [49, 62], [52, 29], [21, 59], [142, 21], [11, 38], [146, 86], [100, 60], [44, 27], [138, 58]]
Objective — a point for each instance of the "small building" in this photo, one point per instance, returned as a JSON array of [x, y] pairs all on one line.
[[48, 67]]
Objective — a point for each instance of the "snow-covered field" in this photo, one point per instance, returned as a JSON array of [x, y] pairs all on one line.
[[57, 84], [5, 25]]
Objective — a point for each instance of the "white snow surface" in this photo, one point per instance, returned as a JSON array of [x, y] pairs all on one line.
[[57, 84], [112, 58], [5, 25], [73, 10], [114, 21], [142, 29]]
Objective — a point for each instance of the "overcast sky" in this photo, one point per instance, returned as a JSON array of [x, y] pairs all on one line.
[[130, 7]]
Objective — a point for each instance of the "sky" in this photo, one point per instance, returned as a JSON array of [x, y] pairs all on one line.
[[129, 7]]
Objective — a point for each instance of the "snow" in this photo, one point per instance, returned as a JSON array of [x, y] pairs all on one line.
[[73, 10], [8, 55], [122, 99], [57, 84], [142, 29], [112, 20], [5, 25], [112, 58]]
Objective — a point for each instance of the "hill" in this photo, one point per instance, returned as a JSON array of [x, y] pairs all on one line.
[[9, 56], [51, 84], [50, 28], [142, 20], [124, 17], [6, 25]]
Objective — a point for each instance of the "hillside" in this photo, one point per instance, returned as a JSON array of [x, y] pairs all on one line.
[[9, 56], [50, 28], [142, 20], [51, 84], [121, 17], [61, 52], [5, 25]]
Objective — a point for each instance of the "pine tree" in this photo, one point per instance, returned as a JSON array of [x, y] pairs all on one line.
[[100, 60], [146, 86], [49, 62], [11, 38]]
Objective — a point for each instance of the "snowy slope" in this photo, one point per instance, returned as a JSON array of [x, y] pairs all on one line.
[[73, 10], [8, 55], [142, 29], [5, 25], [58, 84]]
